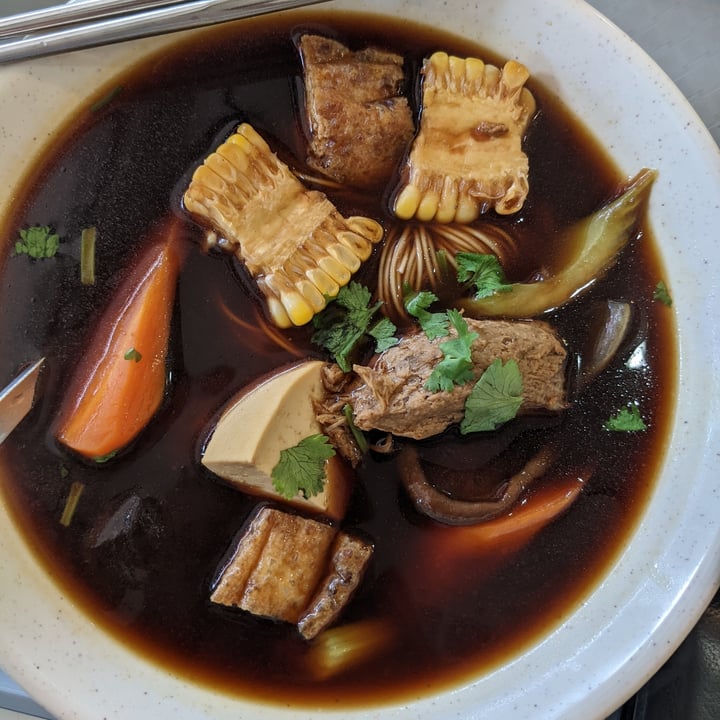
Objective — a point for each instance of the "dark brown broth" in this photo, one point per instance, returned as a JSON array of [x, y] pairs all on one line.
[[152, 526]]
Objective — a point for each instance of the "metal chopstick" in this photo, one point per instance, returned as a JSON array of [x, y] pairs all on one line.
[[58, 15], [141, 23]]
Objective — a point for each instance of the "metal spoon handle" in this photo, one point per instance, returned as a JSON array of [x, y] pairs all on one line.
[[143, 23]]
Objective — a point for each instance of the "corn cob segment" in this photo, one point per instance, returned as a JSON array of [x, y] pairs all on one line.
[[467, 157], [298, 248]]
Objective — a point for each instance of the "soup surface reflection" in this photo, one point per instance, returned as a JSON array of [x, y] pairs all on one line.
[[152, 525]]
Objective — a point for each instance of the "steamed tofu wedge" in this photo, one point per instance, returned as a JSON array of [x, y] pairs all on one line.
[[273, 415], [294, 569]]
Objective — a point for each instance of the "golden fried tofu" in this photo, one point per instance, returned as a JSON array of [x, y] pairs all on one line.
[[286, 567], [467, 157], [359, 123], [295, 244], [346, 568]]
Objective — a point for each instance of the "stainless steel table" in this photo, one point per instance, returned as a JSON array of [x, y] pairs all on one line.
[[684, 39]]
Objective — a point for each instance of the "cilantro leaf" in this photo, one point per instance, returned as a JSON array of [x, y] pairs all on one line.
[[383, 331], [495, 398], [355, 297], [301, 469], [483, 271], [133, 354], [344, 323], [627, 419], [456, 366], [434, 325], [662, 294], [37, 242]]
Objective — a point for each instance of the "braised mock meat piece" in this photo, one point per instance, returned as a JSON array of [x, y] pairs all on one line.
[[359, 124], [467, 157], [329, 408], [392, 395], [286, 567], [296, 245]]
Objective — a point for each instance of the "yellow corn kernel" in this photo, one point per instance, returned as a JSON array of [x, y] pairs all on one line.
[[277, 312], [407, 202], [514, 74], [248, 132], [457, 73], [474, 70], [467, 210], [428, 206], [356, 244], [366, 228], [312, 295], [448, 204], [335, 270], [440, 63], [323, 282], [344, 256], [298, 309]]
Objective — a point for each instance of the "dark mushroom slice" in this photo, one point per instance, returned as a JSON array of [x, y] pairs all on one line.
[[429, 501]]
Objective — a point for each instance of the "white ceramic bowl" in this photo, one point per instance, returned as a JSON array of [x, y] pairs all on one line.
[[668, 572]]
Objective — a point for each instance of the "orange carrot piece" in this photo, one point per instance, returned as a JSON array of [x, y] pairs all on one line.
[[517, 527], [120, 386], [488, 545], [447, 553]]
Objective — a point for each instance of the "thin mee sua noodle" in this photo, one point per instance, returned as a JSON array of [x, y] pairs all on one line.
[[365, 375]]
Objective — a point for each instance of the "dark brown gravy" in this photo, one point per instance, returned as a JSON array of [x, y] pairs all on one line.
[[152, 526]]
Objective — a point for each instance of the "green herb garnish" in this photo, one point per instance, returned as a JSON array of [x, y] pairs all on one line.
[[343, 325], [87, 256], [76, 490], [100, 459], [106, 99], [495, 399], [301, 469], [662, 294], [383, 332], [627, 419], [435, 324], [133, 354], [483, 271], [357, 433], [37, 242], [456, 367]]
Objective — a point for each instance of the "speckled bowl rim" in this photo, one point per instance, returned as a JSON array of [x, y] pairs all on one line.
[[655, 592]]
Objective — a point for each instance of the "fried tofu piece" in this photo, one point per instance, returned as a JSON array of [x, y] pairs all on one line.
[[293, 241], [286, 567], [358, 121], [467, 157], [348, 560]]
